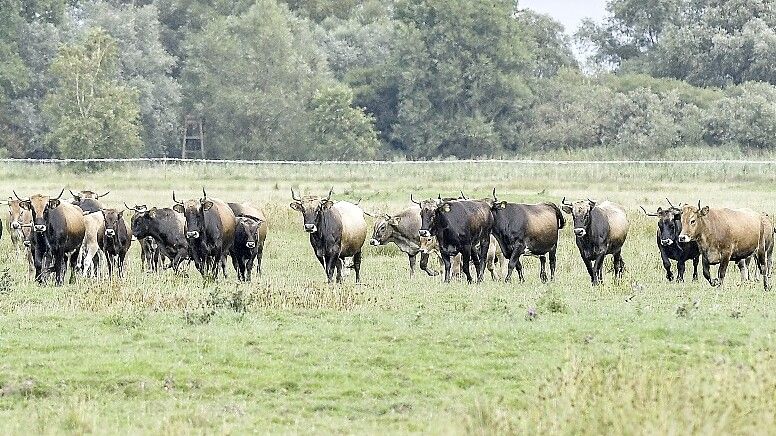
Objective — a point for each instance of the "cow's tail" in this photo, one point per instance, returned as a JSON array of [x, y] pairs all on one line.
[[558, 215]]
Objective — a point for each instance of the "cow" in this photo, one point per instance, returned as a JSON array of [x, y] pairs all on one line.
[[669, 226], [459, 226], [115, 241], [724, 235], [58, 230], [88, 201], [89, 257], [402, 229], [249, 237], [166, 227], [210, 225], [600, 230], [530, 229], [150, 254], [495, 259], [18, 223], [337, 230]]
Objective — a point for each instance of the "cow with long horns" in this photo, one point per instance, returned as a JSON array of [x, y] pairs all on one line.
[[402, 229], [88, 201], [530, 229], [210, 226], [337, 230], [58, 231], [600, 229], [669, 226], [724, 235]]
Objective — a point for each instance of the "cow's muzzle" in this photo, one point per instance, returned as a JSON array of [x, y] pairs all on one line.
[[310, 228], [250, 244], [39, 228], [27, 243], [110, 233], [666, 242], [192, 234], [424, 233], [580, 232], [16, 225], [684, 238], [374, 242]]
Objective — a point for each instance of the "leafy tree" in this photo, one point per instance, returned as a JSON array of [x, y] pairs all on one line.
[[548, 45], [747, 117], [340, 131], [90, 113]]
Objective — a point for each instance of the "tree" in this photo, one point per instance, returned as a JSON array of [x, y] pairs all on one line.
[[89, 112], [548, 45], [339, 130]]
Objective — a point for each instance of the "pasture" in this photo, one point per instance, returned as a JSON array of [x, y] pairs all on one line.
[[290, 354]]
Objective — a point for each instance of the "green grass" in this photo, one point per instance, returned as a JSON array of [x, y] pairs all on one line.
[[290, 354]]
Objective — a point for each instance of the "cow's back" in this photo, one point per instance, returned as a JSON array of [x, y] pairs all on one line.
[[249, 210], [737, 230], [71, 219], [616, 223], [410, 222], [353, 227], [226, 219], [541, 224]]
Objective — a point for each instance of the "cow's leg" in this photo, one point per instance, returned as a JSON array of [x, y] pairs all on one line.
[[619, 265], [490, 263], [722, 271], [448, 266], [237, 266], [483, 258], [357, 265], [514, 258], [680, 268], [695, 261], [73, 263], [248, 268], [743, 267], [543, 268], [259, 255], [667, 265], [590, 271], [762, 266], [424, 264], [411, 258], [466, 258], [331, 266], [553, 261], [598, 269], [59, 268]]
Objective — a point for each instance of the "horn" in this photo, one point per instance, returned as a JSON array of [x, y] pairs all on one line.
[[494, 195], [328, 197], [103, 195], [369, 214], [463, 195], [699, 205], [670, 204], [130, 208], [60, 194], [293, 196], [647, 213], [204, 194], [413, 200], [173, 198], [564, 202], [17, 196], [358, 202], [591, 201], [74, 194], [439, 196]]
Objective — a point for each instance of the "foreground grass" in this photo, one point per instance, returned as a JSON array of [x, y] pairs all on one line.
[[289, 354]]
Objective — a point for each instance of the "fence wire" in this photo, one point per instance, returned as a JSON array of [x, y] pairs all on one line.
[[383, 162]]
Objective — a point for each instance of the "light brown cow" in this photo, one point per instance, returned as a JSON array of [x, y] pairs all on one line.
[[726, 235], [18, 223], [89, 256]]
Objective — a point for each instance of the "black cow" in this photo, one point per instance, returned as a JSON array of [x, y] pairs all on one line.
[[459, 226], [166, 227], [210, 225], [669, 227], [245, 249], [88, 201], [527, 229], [58, 230], [115, 241]]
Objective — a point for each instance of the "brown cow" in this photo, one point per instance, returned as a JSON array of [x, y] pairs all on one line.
[[18, 223], [726, 235]]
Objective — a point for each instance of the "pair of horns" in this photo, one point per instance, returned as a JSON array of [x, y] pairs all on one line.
[[297, 198], [57, 198], [204, 196]]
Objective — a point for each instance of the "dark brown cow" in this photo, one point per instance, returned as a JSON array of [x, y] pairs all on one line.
[[88, 201], [669, 226], [115, 241], [250, 234], [58, 231], [724, 235]]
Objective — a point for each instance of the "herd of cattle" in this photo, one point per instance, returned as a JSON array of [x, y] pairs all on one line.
[[461, 231]]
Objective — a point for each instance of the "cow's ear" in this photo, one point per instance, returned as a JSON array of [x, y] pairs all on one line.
[[206, 205], [296, 206], [659, 209], [445, 207], [502, 204], [26, 205], [327, 204], [121, 214], [704, 211], [53, 203], [177, 208], [395, 220], [566, 209]]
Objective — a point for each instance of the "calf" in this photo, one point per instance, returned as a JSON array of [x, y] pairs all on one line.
[[600, 230], [669, 226], [249, 237], [724, 235], [115, 241], [210, 225], [337, 230], [167, 228], [530, 229], [402, 229]]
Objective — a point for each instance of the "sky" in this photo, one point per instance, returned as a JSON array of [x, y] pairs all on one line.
[[569, 12]]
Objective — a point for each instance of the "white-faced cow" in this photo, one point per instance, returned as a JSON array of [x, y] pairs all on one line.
[[459, 226], [600, 230], [669, 226], [530, 229], [249, 237], [337, 230], [167, 228], [210, 225], [402, 229], [115, 241], [724, 235], [58, 231]]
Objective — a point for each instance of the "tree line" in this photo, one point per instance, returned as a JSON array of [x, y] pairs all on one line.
[[382, 79]]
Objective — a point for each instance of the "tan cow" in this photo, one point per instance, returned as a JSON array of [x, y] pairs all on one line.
[[89, 257]]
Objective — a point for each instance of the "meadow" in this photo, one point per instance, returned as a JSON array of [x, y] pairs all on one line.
[[167, 354]]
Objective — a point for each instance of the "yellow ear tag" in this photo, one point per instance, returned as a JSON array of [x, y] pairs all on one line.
[[446, 208]]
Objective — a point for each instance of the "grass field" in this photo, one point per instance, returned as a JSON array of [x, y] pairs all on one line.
[[290, 354]]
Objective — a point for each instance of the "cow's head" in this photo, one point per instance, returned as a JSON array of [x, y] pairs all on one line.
[[40, 206], [112, 217], [428, 244], [14, 213], [83, 195], [311, 208], [251, 226], [669, 224], [496, 206], [428, 209], [194, 213], [385, 227], [580, 212], [692, 222]]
